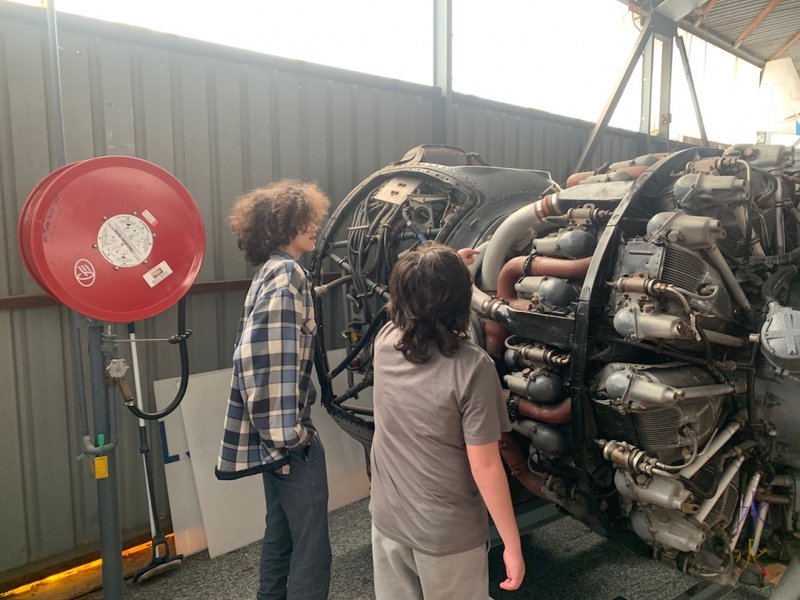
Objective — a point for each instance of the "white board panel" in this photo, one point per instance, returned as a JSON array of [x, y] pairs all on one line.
[[184, 507], [233, 511], [225, 515]]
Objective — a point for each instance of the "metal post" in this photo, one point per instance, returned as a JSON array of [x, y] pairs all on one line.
[[442, 124], [103, 415], [647, 86], [665, 114], [690, 80], [106, 472], [608, 111], [56, 111]]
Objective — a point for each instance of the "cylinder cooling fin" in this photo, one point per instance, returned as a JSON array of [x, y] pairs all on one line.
[[115, 238]]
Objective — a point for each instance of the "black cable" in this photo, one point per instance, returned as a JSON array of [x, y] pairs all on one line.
[[180, 339], [371, 331], [706, 344], [769, 291], [353, 391]]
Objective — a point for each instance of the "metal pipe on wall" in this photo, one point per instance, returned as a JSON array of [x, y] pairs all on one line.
[[56, 110], [106, 472], [103, 413]]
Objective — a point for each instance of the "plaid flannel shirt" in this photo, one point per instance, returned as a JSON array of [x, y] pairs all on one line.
[[271, 372]]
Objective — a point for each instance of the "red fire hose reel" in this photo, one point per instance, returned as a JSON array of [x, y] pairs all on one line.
[[115, 238]]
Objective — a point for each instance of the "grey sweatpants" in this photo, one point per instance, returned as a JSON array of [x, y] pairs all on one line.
[[296, 553], [401, 572]]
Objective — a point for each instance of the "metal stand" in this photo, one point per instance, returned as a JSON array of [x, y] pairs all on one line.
[[104, 418], [594, 138], [653, 25]]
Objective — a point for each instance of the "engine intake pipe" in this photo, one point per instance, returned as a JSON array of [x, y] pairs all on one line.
[[518, 466], [549, 413], [534, 216], [519, 267]]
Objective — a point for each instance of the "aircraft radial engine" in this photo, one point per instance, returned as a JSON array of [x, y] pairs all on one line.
[[645, 320]]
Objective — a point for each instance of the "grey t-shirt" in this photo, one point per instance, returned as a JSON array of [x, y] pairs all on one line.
[[423, 493]]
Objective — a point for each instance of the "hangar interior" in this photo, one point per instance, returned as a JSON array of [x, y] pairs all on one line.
[[223, 121]]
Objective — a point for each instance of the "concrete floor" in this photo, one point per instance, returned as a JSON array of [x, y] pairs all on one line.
[[565, 562]]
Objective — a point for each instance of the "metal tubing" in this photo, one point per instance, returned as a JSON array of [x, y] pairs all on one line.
[[730, 472], [517, 224], [647, 89], [707, 391], [442, 116], [687, 70], [345, 266], [77, 372], [107, 487], [720, 440], [56, 111], [549, 413], [611, 105], [143, 449], [744, 509], [538, 265], [725, 339], [780, 234], [755, 245], [665, 100], [762, 518], [718, 261]]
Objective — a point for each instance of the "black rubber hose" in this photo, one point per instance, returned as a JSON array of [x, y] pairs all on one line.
[[769, 291], [180, 339], [770, 262], [377, 322], [355, 390], [699, 492]]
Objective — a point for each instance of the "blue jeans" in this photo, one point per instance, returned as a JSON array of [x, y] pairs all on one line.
[[296, 552]]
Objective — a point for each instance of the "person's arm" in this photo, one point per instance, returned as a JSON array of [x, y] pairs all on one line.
[[490, 477], [270, 357]]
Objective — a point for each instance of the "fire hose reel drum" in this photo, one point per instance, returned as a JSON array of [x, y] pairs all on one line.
[[115, 238]]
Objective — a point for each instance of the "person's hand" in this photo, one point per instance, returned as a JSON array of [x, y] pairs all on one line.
[[468, 255], [515, 569]]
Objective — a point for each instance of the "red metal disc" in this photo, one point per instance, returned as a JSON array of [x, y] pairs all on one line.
[[24, 223], [115, 238]]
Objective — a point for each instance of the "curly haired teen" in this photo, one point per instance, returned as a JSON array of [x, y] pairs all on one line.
[[436, 467], [268, 429]]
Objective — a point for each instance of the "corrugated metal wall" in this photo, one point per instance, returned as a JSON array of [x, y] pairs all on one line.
[[223, 121], [512, 136]]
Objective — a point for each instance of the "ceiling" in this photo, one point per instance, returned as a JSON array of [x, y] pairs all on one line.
[[756, 30]]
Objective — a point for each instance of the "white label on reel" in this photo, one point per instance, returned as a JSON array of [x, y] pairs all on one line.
[[157, 274], [125, 240], [148, 216]]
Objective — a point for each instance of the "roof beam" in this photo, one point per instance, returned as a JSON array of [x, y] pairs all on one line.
[[720, 43], [706, 9], [786, 46], [756, 22]]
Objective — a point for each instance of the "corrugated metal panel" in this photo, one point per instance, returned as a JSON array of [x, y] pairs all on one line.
[[222, 121], [730, 18], [510, 136]]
